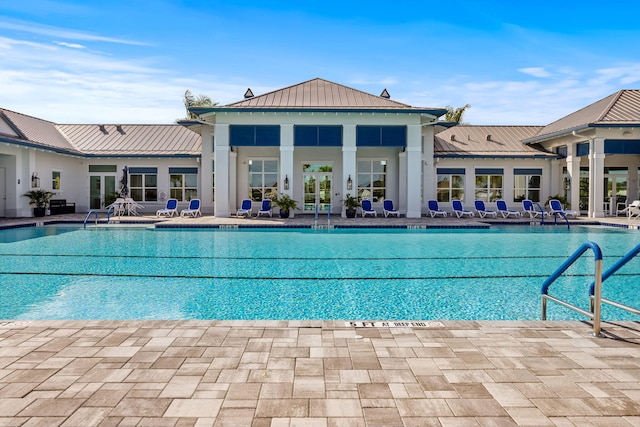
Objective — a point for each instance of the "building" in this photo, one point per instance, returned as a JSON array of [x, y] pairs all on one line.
[[319, 141]]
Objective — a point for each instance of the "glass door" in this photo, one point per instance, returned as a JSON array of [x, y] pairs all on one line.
[[101, 189], [316, 180], [615, 194]]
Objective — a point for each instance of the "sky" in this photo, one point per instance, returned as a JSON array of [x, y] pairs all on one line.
[[131, 61]]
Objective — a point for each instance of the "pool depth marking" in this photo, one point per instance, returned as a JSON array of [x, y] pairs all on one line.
[[394, 324]]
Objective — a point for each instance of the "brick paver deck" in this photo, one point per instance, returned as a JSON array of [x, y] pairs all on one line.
[[317, 373]]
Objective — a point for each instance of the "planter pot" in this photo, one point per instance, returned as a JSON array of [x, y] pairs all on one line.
[[39, 212], [284, 214], [351, 213]]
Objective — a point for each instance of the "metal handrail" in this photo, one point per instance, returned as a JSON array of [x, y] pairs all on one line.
[[562, 214], [595, 313], [610, 272], [542, 212], [89, 215]]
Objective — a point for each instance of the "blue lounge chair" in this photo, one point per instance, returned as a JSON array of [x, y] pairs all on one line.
[[246, 208], [504, 210], [170, 209], [529, 208], [434, 209], [555, 208], [193, 210], [367, 209], [265, 208], [459, 210], [387, 207], [482, 211]]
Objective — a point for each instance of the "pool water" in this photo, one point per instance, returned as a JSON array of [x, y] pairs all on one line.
[[364, 274]]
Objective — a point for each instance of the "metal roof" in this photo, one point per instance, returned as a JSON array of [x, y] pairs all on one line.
[[37, 132], [110, 140], [618, 109], [319, 95], [487, 141]]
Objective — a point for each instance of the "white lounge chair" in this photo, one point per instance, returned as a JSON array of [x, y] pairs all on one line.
[[246, 208], [529, 208], [504, 210], [387, 207], [555, 208], [434, 209], [170, 209], [633, 210], [483, 211], [367, 209], [193, 210], [265, 208], [459, 210]]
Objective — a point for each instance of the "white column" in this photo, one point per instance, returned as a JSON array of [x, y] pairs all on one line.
[[429, 170], [206, 169], [573, 172], [349, 163], [596, 178], [414, 170], [221, 152], [286, 162]]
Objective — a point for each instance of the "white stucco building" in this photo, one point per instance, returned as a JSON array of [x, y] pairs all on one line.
[[318, 141]]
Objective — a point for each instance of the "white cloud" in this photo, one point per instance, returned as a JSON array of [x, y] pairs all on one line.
[[70, 45], [535, 72]]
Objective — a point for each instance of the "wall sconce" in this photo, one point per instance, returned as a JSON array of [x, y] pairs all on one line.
[[35, 181], [286, 182], [567, 182], [349, 183]]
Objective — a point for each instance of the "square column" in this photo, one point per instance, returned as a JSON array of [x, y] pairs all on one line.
[[573, 172], [349, 163], [286, 162], [414, 171], [221, 153], [206, 169], [429, 175], [596, 178]]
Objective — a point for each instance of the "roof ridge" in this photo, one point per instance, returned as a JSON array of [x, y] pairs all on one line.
[[614, 100]]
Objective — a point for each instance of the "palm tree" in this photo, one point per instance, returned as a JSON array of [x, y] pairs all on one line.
[[455, 114], [199, 101]]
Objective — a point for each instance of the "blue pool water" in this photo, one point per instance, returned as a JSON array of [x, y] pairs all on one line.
[[365, 274]]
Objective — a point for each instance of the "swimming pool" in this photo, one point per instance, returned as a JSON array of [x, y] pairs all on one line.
[[366, 274]]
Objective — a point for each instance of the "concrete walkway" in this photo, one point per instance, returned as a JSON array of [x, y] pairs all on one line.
[[317, 373]]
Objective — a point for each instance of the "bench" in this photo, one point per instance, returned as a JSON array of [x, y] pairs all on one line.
[[60, 206]]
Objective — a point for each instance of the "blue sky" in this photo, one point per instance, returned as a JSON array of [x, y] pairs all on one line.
[[130, 61]]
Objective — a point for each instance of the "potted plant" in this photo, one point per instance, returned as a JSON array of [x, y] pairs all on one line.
[[285, 203], [39, 199], [350, 204]]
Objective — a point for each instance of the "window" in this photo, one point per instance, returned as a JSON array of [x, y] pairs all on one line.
[[450, 184], [183, 183], [526, 184], [143, 184], [56, 183], [372, 180], [263, 179], [488, 184]]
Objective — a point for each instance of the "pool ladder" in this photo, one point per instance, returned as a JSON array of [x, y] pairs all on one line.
[[317, 226], [595, 289], [95, 212]]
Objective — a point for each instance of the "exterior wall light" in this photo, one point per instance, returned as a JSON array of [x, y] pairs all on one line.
[[349, 183], [35, 181], [286, 182]]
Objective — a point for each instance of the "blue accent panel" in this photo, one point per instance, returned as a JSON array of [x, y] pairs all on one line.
[[183, 170], [489, 171], [394, 136], [621, 146], [317, 136], [268, 136], [582, 149], [527, 171], [562, 151], [251, 136], [143, 170], [381, 136], [330, 136], [451, 171]]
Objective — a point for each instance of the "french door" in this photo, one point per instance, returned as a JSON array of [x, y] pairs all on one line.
[[317, 180], [100, 187]]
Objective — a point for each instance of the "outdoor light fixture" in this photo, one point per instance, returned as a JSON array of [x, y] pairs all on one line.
[[567, 182], [349, 183], [35, 181], [286, 182]]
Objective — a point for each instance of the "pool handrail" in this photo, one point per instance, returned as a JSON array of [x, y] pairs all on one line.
[[594, 314], [94, 211], [542, 212], [610, 272]]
